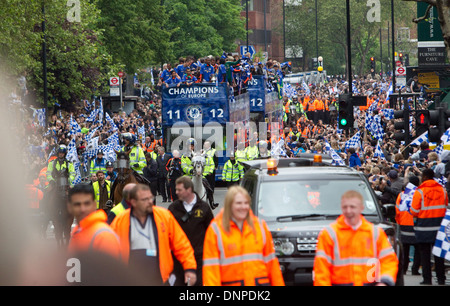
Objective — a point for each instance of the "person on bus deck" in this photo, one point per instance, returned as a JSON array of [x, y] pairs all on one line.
[[189, 78], [206, 71], [174, 80]]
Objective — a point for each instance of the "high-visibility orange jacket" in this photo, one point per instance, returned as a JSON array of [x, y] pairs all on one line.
[[311, 107], [429, 205], [150, 147], [245, 258], [171, 239], [94, 234], [354, 257], [318, 105], [306, 131], [406, 222], [34, 195]]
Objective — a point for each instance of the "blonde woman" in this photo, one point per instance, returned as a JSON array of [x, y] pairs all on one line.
[[238, 248]]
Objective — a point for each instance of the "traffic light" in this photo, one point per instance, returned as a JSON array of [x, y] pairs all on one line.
[[406, 59], [400, 57], [346, 118], [438, 124], [402, 125], [422, 121], [372, 65]]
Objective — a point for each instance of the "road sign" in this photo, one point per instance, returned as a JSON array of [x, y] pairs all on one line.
[[114, 91], [114, 81], [120, 74], [251, 49], [398, 63], [400, 71]]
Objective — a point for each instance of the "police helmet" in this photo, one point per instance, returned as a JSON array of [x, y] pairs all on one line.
[[100, 152], [130, 137], [62, 149], [109, 164], [192, 142]]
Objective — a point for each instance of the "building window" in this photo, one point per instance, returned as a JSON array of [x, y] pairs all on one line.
[[403, 34]]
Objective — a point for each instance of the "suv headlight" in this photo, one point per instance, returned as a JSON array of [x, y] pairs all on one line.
[[283, 246]]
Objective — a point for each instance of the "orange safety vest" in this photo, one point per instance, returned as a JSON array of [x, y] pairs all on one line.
[[369, 102], [318, 105], [34, 195], [94, 234], [286, 107], [305, 132], [305, 102], [405, 221], [355, 257], [311, 106], [245, 258], [429, 205], [151, 146], [171, 239]]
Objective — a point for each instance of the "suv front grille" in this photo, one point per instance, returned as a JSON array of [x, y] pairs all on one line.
[[307, 243]]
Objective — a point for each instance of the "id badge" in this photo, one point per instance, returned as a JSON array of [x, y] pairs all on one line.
[[150, 252]]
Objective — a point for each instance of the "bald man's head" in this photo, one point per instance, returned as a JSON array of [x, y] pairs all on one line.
[[127, 190]]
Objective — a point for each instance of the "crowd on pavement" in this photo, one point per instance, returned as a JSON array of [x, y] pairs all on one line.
[[309, 126]]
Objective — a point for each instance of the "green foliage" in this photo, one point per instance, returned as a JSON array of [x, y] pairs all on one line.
[[332, 32], [200, 27]]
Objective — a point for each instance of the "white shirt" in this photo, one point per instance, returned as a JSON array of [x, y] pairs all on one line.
[[189, 206]]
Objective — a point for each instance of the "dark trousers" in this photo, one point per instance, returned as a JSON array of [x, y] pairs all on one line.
[[172, 194], [211, 178], [162, 181], [425, 254], [416, 260], [229, 184], [154, 189]]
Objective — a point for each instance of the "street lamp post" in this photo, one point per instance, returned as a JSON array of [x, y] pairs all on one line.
[[246, 20], [284, 33], [317, 36], [393, 46], [44, 65], [349, 50]]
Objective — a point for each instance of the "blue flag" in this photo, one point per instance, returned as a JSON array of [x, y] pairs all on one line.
[[441, 246]]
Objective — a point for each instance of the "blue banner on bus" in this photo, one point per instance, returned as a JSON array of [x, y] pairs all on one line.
[[205, 102], [257, 92]]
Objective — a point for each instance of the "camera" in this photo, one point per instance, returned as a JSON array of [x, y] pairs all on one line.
[[186, 216]]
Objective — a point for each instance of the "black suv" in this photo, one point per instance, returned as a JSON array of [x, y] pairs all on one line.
[[300, 197]]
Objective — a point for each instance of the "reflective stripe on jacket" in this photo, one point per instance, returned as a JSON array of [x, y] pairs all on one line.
[[171, 239], [244, 257], [406, 222], [93, 234], [345, 256], [95, 166], [429, 205], [251, 152], [232, 173], [137, 157], [96, 186]]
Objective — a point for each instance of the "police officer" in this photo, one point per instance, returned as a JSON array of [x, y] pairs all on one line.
[[98, 163], [211, 152], [60, 163], [174, 171], [111, 175], [252, 151], [137, 157], [186, 161], [233, 171]]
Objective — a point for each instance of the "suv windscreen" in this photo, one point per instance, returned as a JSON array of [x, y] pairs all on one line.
[[296, 198]]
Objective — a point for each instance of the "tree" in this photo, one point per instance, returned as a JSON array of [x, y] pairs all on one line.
[[134, 32], [443, 9], [201, 28], [74, 57]]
